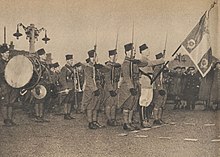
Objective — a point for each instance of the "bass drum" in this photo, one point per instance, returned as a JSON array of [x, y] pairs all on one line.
[[23, 72]]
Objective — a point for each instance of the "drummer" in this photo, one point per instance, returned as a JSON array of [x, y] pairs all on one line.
[[45, 81], [8, 95]]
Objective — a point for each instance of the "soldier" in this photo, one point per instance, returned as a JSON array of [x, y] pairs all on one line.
[[160, 92], [111, 87], [91, 92], [191, 89], [51, 93], [146, 86], [8, 95], [44, 82], [129, 90], [55, 87], [67, 86], [57, 83], [215, 90], [176, 87]]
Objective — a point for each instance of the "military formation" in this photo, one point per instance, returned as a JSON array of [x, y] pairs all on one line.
[[137, 86]]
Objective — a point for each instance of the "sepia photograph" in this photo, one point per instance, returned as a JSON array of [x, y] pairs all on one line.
[[109, 78]]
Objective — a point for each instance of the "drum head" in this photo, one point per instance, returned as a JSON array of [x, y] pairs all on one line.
[[18, 71]]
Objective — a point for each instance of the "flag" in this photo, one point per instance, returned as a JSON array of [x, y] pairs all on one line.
[[198, 47]]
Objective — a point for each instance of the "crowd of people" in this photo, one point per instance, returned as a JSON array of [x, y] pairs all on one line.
[[141, 85]]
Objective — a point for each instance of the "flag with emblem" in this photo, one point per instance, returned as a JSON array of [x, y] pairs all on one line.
[[197, 45]]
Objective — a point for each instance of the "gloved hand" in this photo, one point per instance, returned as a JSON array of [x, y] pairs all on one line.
[[37, 90], [133, 91], [117, 65], [98, 66], [135, 61], [97, 92], [112, 93]]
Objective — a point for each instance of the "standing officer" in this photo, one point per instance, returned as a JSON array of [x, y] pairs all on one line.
[[191, 89], [111, 87], [8, 95], [146, 86], [129, 91], [67, 85], [91, 92], [44, 82]]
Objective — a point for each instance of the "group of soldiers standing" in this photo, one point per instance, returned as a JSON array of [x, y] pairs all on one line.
[[112, 86]]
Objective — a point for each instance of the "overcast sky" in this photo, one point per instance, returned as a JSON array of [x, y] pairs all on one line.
[[72, 24]]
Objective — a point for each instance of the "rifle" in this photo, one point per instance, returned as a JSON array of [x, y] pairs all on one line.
[[114, 59], [164, 53], [132, 54]]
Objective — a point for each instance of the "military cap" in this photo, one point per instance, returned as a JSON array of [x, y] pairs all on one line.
[[128, 47], [143, 47], [91, 53], [69, 56], [41, 52], [56, 65], [159, 55], [3, 49], [112, 52]]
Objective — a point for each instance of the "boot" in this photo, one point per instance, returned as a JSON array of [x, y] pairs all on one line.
[[69, 116], [145, 124], [98, 125], [157, 122], [92, 126], [7, 122], [38, 119], [115, 122], [128, 127], [12, 123], [135, 127]]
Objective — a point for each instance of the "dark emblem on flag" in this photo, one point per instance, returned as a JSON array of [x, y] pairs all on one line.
[[204, 63], [191, 44]]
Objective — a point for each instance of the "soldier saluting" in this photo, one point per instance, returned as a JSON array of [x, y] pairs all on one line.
[[8, 95], [111, 85]]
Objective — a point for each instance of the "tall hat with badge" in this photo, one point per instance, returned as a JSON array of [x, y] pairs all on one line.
[[3, 48], [128, 47], [91, 53], [69, 56], [159, 55], [112, 52], [143, 47], [41, 52], [56, 65]]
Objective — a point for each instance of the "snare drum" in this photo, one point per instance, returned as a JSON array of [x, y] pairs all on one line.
[[23, 72]]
